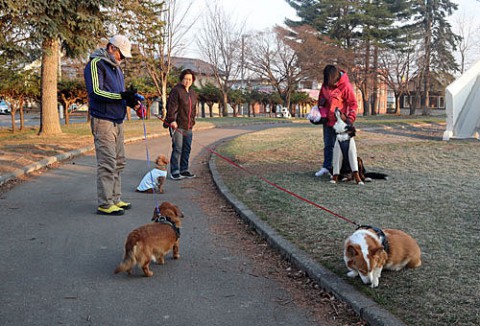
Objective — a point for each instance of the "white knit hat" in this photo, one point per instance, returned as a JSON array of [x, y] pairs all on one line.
[[122, 42]]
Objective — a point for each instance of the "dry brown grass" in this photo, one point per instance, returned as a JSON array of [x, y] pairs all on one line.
[[432, 194], [25, 147]]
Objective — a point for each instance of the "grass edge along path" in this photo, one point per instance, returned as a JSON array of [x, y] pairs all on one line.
[[424, 196]]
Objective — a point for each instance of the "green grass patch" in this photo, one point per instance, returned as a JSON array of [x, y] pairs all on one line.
[[432, 194]]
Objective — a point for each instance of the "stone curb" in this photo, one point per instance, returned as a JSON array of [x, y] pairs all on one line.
[[43, 163], [365, 307], [69, 155], [61, 157]]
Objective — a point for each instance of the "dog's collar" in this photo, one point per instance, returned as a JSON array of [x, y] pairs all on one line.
[[161, 167], [164, 220], [380, 234]]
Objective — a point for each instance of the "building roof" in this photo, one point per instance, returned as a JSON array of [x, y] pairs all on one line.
[[200, 67]]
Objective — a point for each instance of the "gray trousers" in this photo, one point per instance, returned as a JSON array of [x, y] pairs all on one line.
[[110, 151]]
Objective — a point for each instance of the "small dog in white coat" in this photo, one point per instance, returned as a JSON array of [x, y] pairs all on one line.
[[153, 180]]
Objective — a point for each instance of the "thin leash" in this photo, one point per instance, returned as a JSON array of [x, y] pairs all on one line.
[[268, 181], [149, 169]]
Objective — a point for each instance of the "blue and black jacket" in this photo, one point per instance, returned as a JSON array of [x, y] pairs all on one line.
[[104, 80]]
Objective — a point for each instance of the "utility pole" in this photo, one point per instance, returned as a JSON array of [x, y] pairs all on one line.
[[242, 71]]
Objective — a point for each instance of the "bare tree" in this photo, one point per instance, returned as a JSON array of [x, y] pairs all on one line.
[[314, 50], [468, 31], [396, 70], [158, 28], [221, 44], [173, 34], [270, 57]]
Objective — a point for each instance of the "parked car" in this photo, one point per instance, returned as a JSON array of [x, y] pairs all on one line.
[[5, 107], [78, 108]]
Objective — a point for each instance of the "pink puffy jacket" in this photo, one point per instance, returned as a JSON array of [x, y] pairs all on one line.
[[342, 97]]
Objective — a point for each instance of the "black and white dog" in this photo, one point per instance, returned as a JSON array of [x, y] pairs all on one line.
[[346, 164], [344, 147]]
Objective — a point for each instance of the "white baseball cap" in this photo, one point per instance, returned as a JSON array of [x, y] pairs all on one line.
[[124, 45]]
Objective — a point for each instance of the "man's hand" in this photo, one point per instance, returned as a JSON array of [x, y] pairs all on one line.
[[140, 110], [129, 96]]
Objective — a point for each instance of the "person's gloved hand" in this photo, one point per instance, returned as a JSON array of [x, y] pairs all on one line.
[[350, 129], [139, 97], [129, 96]]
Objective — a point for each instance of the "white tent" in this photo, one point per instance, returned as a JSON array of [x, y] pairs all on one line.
[[462, 101]]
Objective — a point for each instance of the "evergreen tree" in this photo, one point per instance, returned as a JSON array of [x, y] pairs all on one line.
[[361, 27], [336, 19], [45, 28], [439, 42], [365, 26]]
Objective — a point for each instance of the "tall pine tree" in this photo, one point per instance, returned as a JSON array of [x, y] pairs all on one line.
[[364, 26], [439, 42]]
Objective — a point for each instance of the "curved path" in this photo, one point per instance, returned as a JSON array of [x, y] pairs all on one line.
[[58, 256]]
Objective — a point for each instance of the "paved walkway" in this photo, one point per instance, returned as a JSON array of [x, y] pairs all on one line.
[[58, 256]]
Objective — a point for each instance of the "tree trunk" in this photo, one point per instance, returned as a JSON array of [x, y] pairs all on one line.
[[210, 109], [22, 118], [365, 92], [375, 82], [163, 114], [12, 117], [424, 104], [49, 119], [397, 103], [66, 113], [225, 105], [202, 109]]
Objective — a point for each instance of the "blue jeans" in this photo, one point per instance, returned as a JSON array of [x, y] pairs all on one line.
[[181, 147], [329, 138]]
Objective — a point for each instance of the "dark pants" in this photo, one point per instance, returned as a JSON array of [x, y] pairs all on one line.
[[181, 147], [329, 138]]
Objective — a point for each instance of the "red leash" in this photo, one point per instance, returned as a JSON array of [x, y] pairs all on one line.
[[268, 181]]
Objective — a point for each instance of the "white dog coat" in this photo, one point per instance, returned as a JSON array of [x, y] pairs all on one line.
[[149, 181]]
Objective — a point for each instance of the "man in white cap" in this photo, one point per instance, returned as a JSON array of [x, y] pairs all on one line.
[[107, 107]]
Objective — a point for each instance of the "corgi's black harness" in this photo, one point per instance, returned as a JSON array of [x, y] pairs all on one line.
[[165, 220], [381, 235]]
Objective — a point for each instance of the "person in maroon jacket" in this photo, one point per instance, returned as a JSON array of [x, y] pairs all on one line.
[[181, 112], [336, 92]]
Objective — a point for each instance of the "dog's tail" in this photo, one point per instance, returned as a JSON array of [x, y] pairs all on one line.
[[377, 176], [128, 261]]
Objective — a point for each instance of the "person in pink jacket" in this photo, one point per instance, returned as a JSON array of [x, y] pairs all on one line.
[[336, 92]]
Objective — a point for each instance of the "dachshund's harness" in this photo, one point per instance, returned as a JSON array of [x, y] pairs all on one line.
[[165, 220]]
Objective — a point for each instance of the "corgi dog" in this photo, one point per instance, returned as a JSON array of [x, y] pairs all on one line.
[[151, 242], [369, 250], [153, 180]]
